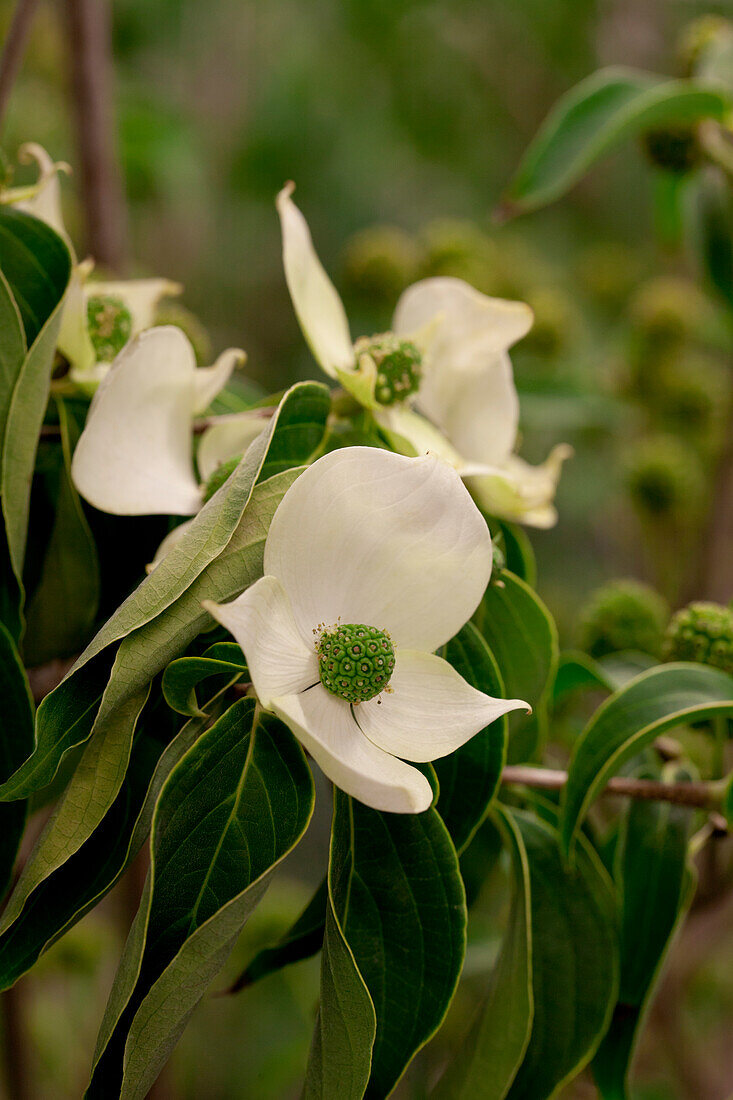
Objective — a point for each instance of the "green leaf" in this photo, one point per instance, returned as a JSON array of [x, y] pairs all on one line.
[[520, 557], [657, 700], [340, 1057], [235, 805], [37, 267], [16, 738], [522, 636], [165, 609], [484, 1064], [656, 886], [574, 960], [709, 224], [604, 109], [578, 672], [63, 607], [12, 350], [77, 885], [398, 899], [182, 677], [469, 777], [301, 941]]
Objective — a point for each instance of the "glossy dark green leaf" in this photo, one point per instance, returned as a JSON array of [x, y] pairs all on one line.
[[301, 941], [574, 960], [182, 676], [16, 739], [484, 1064], [469, 777], [398, 900], [656, 886], [77, 885], [604, 109], [12, 349], [162, 616], [521, 634], [234, 806], [520, 557], [36, 265], [655, 701], [62, 610]]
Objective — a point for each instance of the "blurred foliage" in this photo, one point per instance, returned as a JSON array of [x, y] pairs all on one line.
[[401, 123]]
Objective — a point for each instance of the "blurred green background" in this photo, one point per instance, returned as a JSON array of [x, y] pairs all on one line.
[[401, 121]]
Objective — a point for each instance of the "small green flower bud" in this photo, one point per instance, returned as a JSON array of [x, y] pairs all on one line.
[[623, 615], [668, 309], [355, 661], [110, 326], [691, 394], [221, 474], [380, 262], [701, 632], [664, 478], [398, 363], [173, 313], [460, 249], [675, 149]]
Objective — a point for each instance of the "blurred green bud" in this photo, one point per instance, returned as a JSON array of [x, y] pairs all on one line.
[[698, 38], [668, 309], [460, 249], [609, 272], [555, 321], [674, 148], [690, 394], [701, 632], [623, 615], [664, 478], [380, 262], [173, 313]]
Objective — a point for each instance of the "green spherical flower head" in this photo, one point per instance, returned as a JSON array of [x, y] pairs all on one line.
[[664, 478], [355, 661], [701, 632], [398, 363], [220, 475], [675, 149], [110, 326], [623, 615]]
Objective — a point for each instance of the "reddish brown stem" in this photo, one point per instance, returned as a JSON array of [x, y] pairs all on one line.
[[703, 796]]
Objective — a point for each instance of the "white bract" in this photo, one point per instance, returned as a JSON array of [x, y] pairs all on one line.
[[372, 562], [99, 316], [441, 381], [136, 453]]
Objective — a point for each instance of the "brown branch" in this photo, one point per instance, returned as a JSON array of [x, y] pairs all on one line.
[[14, 49], [88, 31], [703, 796]]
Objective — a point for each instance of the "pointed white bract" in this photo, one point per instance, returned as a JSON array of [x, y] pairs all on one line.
[[465, 408], [365, 536], [135, 455]]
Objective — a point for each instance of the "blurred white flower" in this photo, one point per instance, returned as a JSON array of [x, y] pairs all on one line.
[[372, 561], [441, 381], [136, 453]]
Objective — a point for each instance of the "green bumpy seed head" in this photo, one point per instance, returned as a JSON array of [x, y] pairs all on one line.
[[110, 326], [398, 363], [221, 474], [355, 661], [623, 615], [701, 632]]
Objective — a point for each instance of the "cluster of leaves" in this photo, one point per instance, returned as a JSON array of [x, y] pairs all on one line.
[[151, 737]]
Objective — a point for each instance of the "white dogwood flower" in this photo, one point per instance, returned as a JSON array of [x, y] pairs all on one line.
[[99, 316], [135, 455], [441, 381], [373, 561]]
